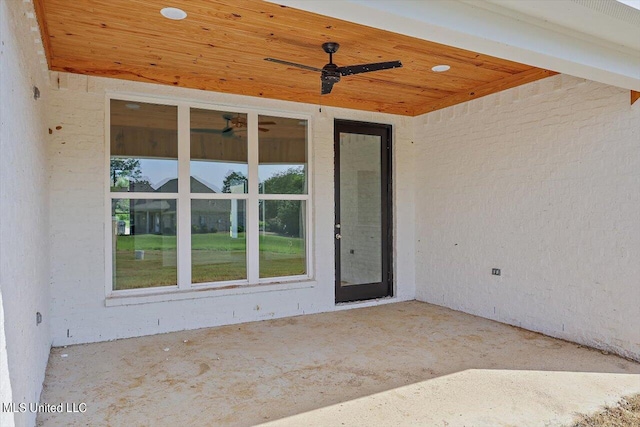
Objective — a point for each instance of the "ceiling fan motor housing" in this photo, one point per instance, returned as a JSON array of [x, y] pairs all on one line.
[[330, 73]]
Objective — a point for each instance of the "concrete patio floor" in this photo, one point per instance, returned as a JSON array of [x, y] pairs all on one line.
[[398, 364]]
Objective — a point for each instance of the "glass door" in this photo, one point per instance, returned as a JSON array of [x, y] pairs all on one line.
[[363, 211]]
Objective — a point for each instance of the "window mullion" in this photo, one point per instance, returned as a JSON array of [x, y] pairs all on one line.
[[252, 228], [184, 199]]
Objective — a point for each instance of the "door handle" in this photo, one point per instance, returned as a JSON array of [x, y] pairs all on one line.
[[338, 236]]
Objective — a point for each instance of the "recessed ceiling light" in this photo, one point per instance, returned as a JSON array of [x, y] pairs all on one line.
[[173, 13], [440, 68], [132, 106]]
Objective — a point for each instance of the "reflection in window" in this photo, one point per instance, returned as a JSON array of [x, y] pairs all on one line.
[[282, 238], [218, 242], [282, 155], [218, 152], [144, 147], [144, 243]]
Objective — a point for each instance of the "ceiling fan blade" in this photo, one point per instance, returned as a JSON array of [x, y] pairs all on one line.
[[366, 68], [263, 129], [327, 85], [293, 64]]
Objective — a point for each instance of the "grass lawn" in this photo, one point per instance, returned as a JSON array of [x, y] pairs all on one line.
[[625, 414], [281, 256], [214, 257]]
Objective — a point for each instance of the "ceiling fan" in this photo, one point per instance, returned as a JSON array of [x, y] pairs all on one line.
[[240, 123], [330, 73], [227, 130], [233, 124]]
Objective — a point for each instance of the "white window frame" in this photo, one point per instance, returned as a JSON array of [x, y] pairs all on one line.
[[184, 197]]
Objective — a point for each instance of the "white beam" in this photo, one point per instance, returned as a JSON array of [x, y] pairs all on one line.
[[495, 31]]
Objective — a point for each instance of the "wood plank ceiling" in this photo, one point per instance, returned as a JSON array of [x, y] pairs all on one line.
[[221, 46]]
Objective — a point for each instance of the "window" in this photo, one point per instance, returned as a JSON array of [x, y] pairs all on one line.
[[144, 161], [205, 197], [282, 173]]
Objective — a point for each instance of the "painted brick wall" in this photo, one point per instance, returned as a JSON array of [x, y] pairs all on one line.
[[77, 155], [24, 254], [542, 181]]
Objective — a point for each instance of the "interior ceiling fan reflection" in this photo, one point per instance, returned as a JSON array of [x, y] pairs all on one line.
[[240, 123], [233, 125]]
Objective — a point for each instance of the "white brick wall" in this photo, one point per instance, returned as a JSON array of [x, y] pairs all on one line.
[[24, 254], [77, 215], [542, 181]]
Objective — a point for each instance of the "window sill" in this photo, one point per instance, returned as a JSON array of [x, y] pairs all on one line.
[[115, 300]]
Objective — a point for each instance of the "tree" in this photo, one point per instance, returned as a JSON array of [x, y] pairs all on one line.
[[124, 171], [283, 216], [290, 181], [233, 179]]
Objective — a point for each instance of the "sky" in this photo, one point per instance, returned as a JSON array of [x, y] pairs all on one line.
[[633, 3], [212, 174]]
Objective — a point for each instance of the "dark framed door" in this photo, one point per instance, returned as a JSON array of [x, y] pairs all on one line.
[[363, 223]]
